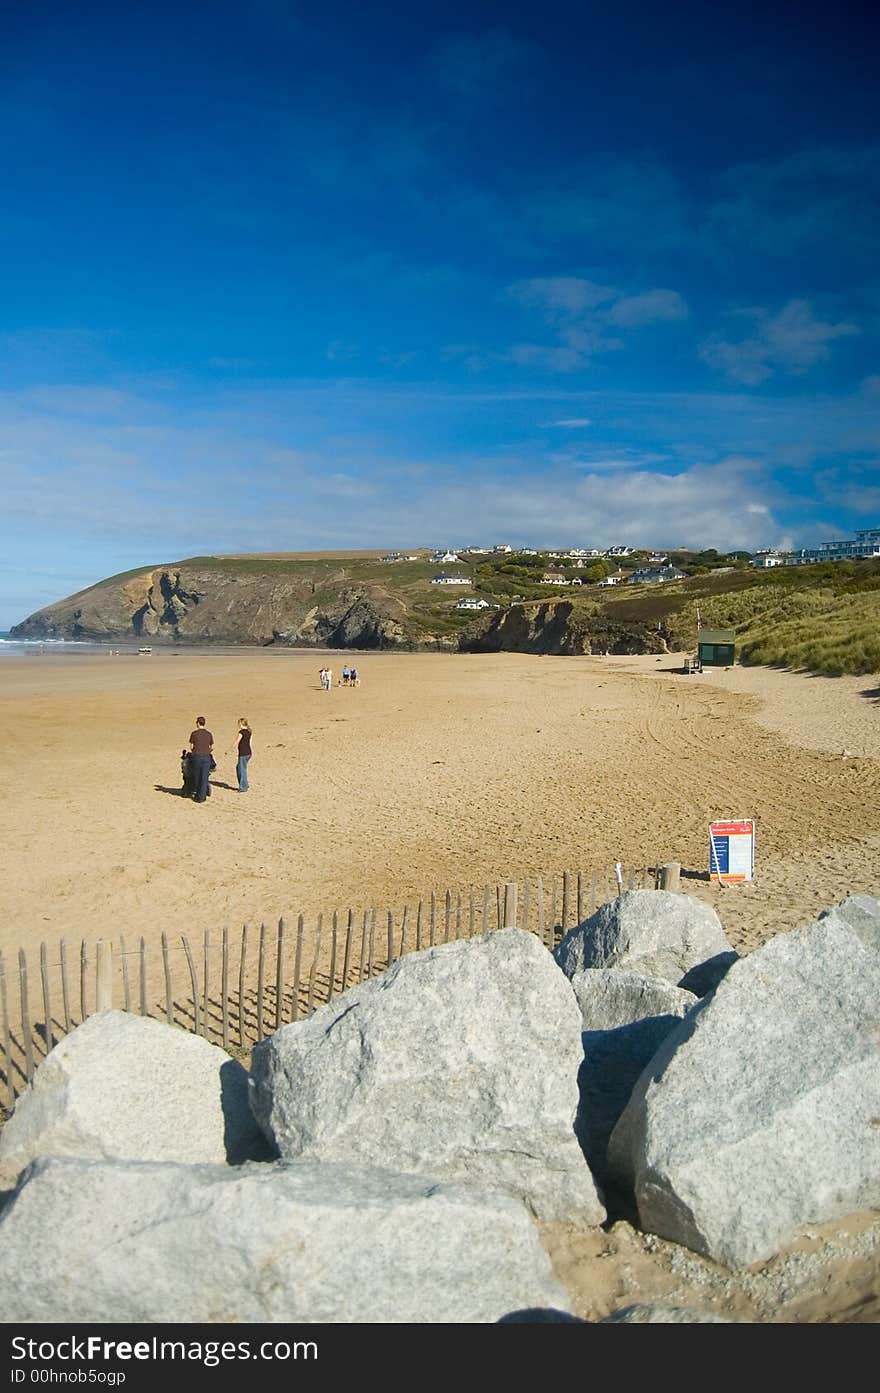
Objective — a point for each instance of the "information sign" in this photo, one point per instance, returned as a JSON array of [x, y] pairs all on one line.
[[732, 850]]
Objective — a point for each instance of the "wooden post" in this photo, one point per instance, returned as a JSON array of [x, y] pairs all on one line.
[[166, 972], [566, 900], [224, 984], [126, 987], [499, 912], [390, 938], [83, 962], [47, 1009], [362, 960], [553, 915], [104, 975], [65, 994], [472, 911], [419, 927], [485, 924], [241, 979], [433, 924], [593, 893], [314, 968], [670, 877], [447, 920], [205, 1005], [371, 942], [458, 914], [526, 891], [297, 965], [279, 977], [510, 904], [25, 1016], [194, 980], [580, 897], [346, 957], [7, 1043], [334, 938], [540, 894], [261, 980], [403, 931], [143, 976]]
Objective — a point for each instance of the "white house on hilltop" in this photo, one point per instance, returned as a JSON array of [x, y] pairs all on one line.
[[451, 580], [474, 602]]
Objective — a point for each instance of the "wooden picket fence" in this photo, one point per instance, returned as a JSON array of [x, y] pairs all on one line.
[[234, 993]]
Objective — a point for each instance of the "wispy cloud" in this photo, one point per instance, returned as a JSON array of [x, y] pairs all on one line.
[[581, 313], [792, 341]]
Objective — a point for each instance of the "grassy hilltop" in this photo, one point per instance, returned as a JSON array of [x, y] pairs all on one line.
[[824, 618]]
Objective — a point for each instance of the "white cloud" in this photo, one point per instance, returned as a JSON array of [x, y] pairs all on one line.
[[581, 313], [651, 307], [792, 341], [574, 422]]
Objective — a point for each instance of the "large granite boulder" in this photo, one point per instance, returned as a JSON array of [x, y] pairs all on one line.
[[862, 914], [610, 997], [145, 1242], [652, 932], [461, 1063], [758, 1114], [121, 1086]]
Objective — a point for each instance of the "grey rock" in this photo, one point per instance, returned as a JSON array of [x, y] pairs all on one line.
[[862, 914], [654, 1313], [541, 1315], [121, 1086], [758, 1114], [610, 997], [704, 978], [652, 932], [613, 1063], [140, 1242], [460, 1062]]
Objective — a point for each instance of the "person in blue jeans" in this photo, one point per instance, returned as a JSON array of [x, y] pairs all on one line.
[[244, 753]]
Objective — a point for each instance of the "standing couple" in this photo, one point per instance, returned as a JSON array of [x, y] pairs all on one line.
[[201, 743]]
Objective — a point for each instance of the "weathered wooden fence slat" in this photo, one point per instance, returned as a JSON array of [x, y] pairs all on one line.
[[126, 985], [525, 909], [7, 1043], [261, 979], [65, 992], [297, 967], [224, 983], [242, 961], [390, 939], [83, 962], [362, 960], [194, 981], [403, 928], [566, 900], [279, 977], [433, 924], [25, 1016], [103, 975], [346, 956], [47, 1008], [552, 924], [419, 927], [472, 911], [447, 916], [143, 977], [334, 936], [166, 974], [539, 895], [580, 897], [485, 923], [314, 967]]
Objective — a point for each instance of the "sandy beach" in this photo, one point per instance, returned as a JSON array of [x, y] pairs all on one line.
[[437, 772]]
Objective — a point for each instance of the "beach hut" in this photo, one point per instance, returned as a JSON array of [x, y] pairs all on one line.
[[715, 647]]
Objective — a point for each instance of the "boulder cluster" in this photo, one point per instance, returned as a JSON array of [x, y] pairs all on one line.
[[385, 1159]]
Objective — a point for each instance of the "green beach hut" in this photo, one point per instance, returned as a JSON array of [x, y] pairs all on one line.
[[715, 647]]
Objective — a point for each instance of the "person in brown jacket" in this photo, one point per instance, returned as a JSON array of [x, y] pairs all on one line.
[[201, 742]]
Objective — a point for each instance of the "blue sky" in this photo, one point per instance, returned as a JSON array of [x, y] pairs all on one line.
[[287, 276]]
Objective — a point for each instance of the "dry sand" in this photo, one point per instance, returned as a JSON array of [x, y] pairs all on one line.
[[438, 772], [446, 771]]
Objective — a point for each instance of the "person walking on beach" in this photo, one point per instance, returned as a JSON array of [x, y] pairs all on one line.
[[201, 742], [244, 754]]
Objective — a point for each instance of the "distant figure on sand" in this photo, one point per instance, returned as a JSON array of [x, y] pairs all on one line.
[[325, 679], [244, 754], [345, 676], [354, 680], [329, 679], [201, 743]]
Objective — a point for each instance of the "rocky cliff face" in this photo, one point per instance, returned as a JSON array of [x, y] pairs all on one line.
[[186, 604], [318, 606], [557, 626]]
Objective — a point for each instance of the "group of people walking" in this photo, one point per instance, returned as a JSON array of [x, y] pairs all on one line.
[[350, 678], [198, 761]]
